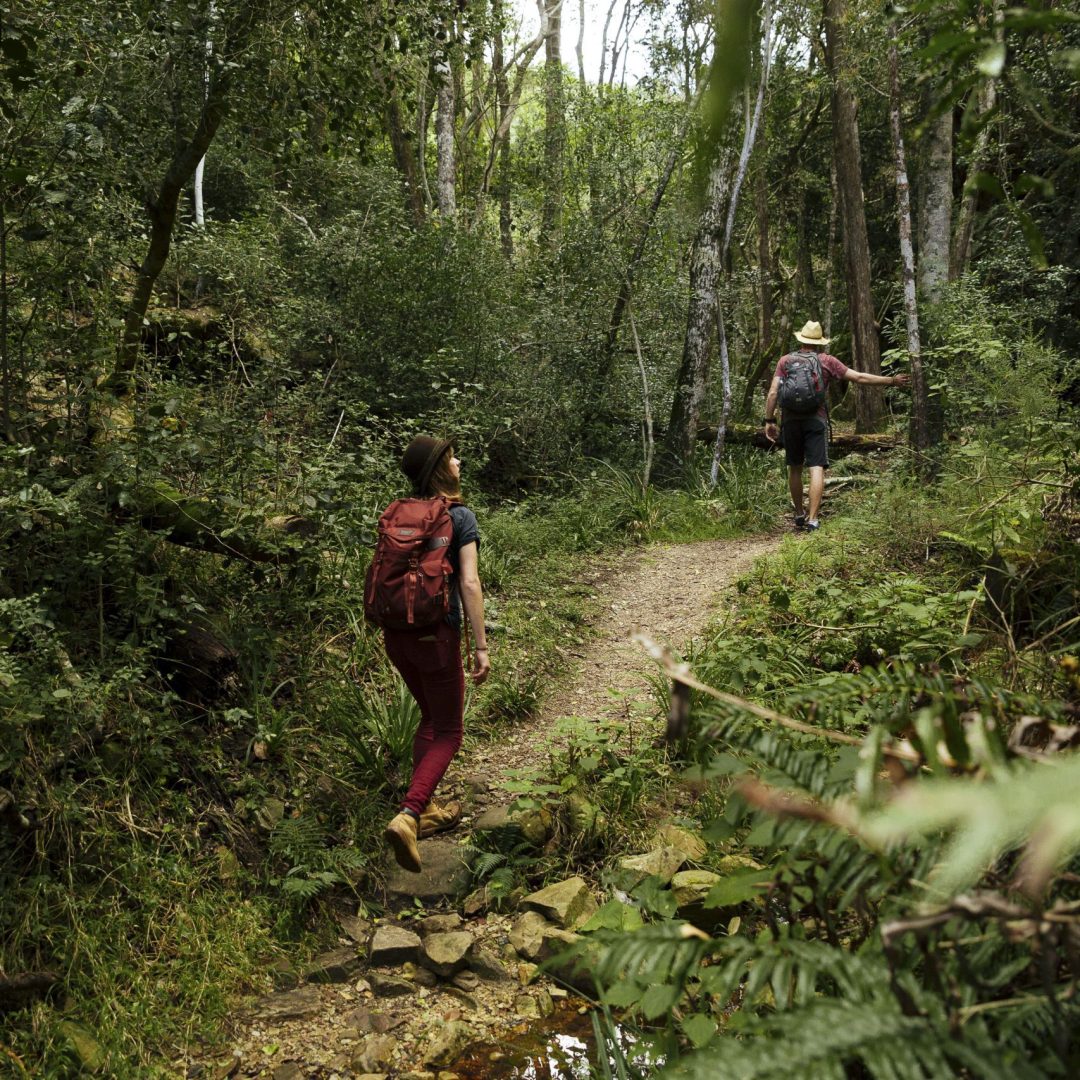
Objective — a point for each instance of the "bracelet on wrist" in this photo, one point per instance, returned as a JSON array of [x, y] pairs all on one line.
[[767, 421]]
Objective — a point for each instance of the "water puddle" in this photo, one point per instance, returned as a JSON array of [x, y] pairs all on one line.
[[560, 1047]]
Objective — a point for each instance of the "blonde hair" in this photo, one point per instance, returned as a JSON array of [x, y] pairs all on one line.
[[442, 481]]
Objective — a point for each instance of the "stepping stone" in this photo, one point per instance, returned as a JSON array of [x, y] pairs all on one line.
[[446, 954], [567, 903], [392, 946], [447, 1043], [439, 924], [444, 873], [527, 934], [335, 966]]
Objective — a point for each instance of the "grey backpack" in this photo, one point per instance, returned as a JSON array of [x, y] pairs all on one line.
[[803, 388]]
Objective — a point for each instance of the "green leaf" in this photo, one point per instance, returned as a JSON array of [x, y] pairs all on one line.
[[737, 888], [615, 915], [623, 994], [658, 999], [699, 1029]]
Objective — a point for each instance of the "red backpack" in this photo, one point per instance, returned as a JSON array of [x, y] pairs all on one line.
[[408, 582]]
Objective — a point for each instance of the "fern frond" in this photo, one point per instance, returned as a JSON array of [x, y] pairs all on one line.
[[827, 1037]]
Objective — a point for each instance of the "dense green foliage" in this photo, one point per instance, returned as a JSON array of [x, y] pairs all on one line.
[[198, 733], [913, 910]]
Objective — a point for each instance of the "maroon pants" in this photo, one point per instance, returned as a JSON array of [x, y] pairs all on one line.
[[430, 664]]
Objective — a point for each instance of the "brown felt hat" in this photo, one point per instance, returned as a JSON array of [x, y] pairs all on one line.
[[420, 458]]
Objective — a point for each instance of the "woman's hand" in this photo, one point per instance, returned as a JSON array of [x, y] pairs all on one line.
[[481, 666]]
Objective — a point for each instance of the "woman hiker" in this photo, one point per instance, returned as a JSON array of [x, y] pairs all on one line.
[[429, 659]]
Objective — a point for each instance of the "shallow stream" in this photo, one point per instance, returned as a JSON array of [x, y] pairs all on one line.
[[562, 1046]]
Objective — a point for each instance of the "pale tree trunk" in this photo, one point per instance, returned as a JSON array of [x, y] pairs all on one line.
[[502, 109], [648, 442], [830, 252], [866, 353], [693, 377], [554, 119], [965, 221], [935, 205], [580, 49], [507, 101], [384, 70], [749, 137], [446, 180], [919, 428], [200, 211], [163, 207], [423, 123], [604, 46], [765, 271]]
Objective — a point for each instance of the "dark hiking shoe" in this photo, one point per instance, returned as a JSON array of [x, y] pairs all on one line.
[[438, 817], [800, 522], [400, 834]]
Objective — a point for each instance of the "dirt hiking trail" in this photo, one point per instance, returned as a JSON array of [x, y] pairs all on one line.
[[403, 996], [670, 592]]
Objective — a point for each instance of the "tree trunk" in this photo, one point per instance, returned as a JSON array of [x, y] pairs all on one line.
[[423, 121], [749, 137], [507, 100], [187, 155], [765, 272], [554, 120], [830, 249], [864, 338], [935, 205], [200, 169], [6, 426], [919, 429], [965, 221], [692, 380], [402, 147], [384, 74], [446, 184], [604, 46], [648, 441], [503, 120], [579, 50]]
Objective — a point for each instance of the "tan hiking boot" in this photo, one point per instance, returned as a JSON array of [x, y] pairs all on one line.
[[438, 817], [400, 834]]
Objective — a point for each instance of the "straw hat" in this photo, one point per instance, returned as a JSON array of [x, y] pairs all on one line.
[[811, 334]]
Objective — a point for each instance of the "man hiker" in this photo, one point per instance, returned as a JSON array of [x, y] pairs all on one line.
[[801, 387]]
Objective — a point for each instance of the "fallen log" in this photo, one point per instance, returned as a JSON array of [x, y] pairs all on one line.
[[742, 435]]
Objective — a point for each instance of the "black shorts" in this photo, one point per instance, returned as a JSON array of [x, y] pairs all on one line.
[[805, 440]]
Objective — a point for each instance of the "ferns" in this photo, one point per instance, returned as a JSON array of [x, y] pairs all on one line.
[[828, 1036]]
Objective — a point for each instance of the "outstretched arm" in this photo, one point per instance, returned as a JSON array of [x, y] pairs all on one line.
[[865, 377]]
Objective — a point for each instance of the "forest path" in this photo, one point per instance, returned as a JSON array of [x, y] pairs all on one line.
[[669, 592]]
